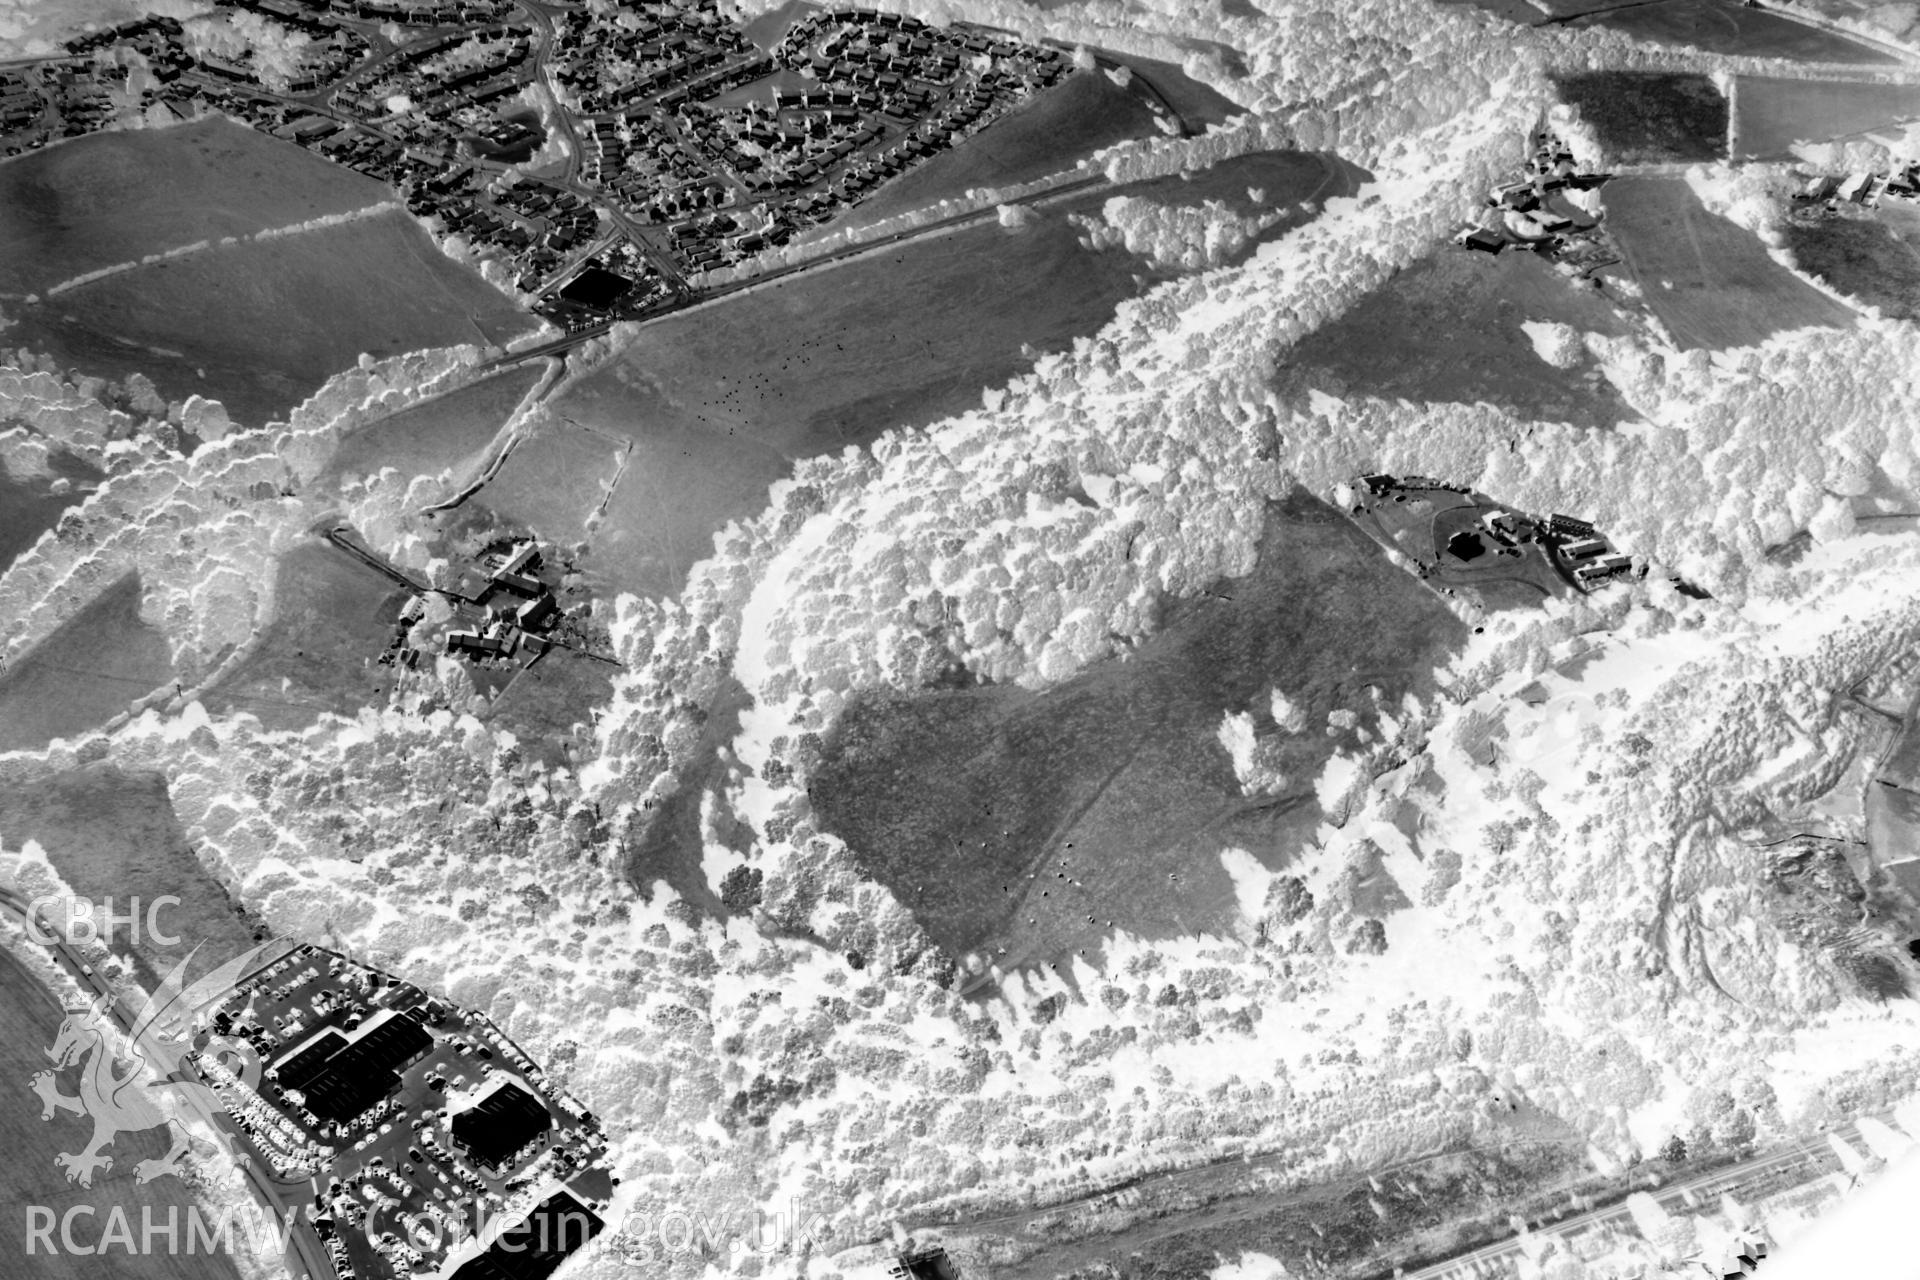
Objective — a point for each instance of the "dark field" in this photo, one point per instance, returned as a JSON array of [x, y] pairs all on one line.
[[32, 1018], [1452, 325], [970, 804], [332, 617], [117, 197], [109, 832], [1721, 26], [1650, 118], [1770, 116], [720, 400], [1710, 281], [85, 673], [1873, 259], [259, 326], [29, 507], [1078, 116], [443, 434]]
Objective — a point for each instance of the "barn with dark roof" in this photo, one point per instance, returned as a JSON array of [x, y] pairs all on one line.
[[500, 1125]]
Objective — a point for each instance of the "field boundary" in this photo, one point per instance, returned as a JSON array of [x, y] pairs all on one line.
[[206, 246]]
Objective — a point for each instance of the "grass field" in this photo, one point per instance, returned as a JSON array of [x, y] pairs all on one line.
[[332, 617], [766, 29], [1770, 116], [28, 1176], [1710, 281], [718, 401], [1721, 26], [116, 197], [442, 434], [85, 673], [111, 833], [1003, 817], [554, 480], [1650, 117], [261, 325], [1078, 116], [29, 507], [549, 701], [1874, 259], [1281, 178], [1451, 322]]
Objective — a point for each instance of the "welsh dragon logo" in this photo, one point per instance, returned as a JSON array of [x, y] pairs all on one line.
[[141, 1078]]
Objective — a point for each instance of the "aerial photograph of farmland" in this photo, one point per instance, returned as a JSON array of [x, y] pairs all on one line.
[[959, 639]]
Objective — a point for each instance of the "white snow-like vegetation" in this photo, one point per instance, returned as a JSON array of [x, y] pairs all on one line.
[[1570, 821]]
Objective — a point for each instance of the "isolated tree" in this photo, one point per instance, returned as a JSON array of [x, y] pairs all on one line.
[[1289, 899], [740, 890]]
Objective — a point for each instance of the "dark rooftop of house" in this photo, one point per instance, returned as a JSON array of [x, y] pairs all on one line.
[[341, 1079], [304, 1067], [536, 1247], [500, 1124]]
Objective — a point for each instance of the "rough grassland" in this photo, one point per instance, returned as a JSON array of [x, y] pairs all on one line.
[[548, 701], [1770, 116], [1078, 116], [1875, 261], [332, 616], [28, 1175], [116, 197], [260, 325], [29, 507], [1004, 818], [720, 400], [1448, 329], [443, 434], [1710, 281], [110, 832], [85, 673], [1721, 26], [1651, 118]]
